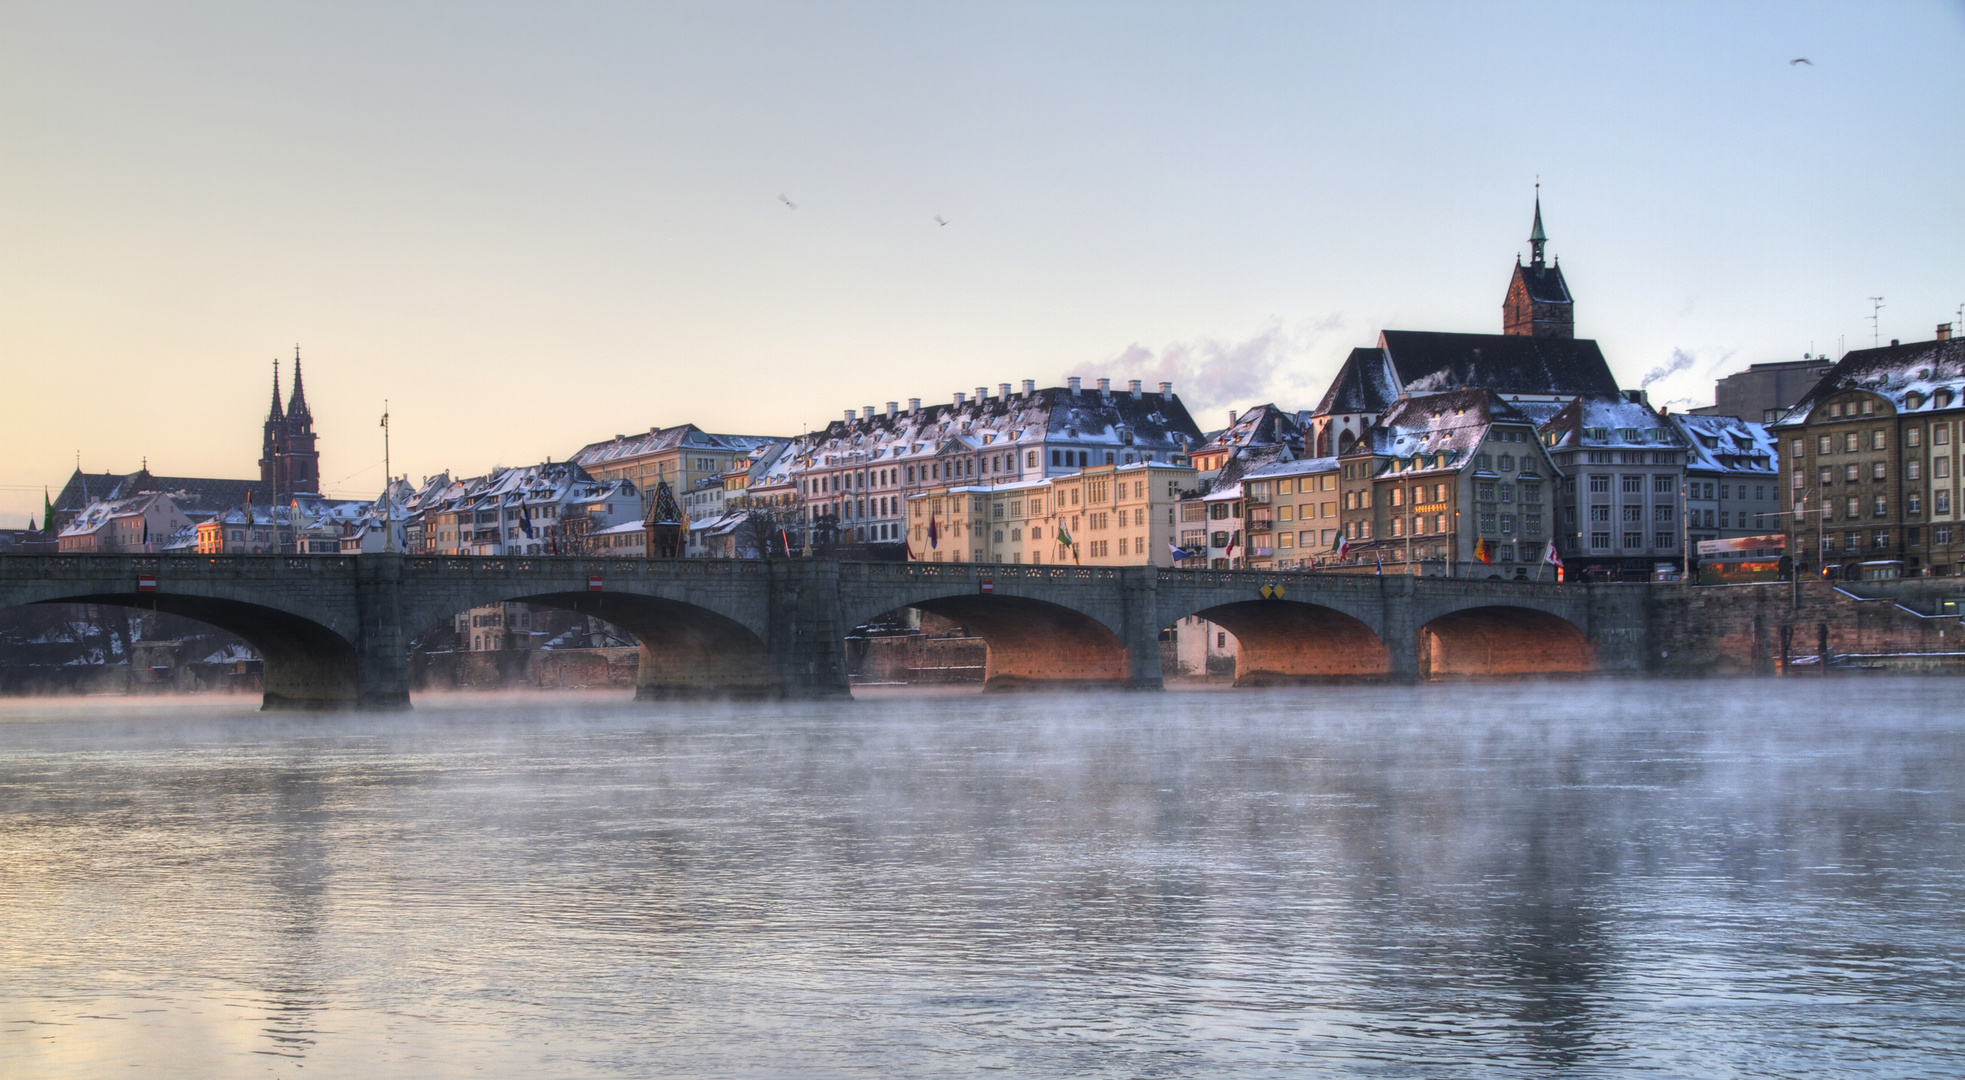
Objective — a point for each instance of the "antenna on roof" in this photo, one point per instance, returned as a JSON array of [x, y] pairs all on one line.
[[1876, 311]]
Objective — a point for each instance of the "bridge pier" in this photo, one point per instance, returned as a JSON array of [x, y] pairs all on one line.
[[382, 645], [1139, 606]]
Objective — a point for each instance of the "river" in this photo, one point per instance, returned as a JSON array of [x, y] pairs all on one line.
[[1686, 878]]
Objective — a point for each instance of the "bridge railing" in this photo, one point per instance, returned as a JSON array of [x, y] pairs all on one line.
[[166, 566]]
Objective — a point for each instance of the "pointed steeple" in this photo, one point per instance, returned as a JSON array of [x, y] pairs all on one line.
[[1536, 237], [274, 413], [298, 405]]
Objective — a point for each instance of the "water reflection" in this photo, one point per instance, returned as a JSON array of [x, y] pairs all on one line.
[[1756, 880]]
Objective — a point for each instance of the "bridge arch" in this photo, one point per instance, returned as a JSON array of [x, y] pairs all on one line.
[[687, 650], [304, 664], [1285, 642], [1030, 643], [1502, 640]]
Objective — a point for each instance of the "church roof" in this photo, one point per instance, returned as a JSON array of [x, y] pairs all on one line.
[[1545, 284], [1365, 384], [192, 494], [1426, 362]]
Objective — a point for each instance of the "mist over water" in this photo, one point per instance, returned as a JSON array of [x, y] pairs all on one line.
[[1649, 878]]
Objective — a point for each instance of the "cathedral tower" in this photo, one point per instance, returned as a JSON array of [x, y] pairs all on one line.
[[288, 462], [1538, 303]]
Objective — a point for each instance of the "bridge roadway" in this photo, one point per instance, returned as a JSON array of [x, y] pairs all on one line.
[[335, 630]]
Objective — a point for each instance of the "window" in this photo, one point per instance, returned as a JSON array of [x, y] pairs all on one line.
[[1880, 539], [1507, 463], [1940, 468], [1633, 485], [1942, 534], [1796, 447], [1799, 479], [1913, 469], [1661, 512], [1877, 471], [1218, 539], [1941, 435], [1663, 484], [1850, 442], [1531, 493], [1484, 491], [1599, 513], [1876, 438], [1507, 523], [1941, 502], [1599, 541], [1634, 540], [1853, 474], [1633, 512], [1912, 437], [1663, 541], [1855, 508], [1913, 504], [1487, 523], [1507, 493], [1882, 507]]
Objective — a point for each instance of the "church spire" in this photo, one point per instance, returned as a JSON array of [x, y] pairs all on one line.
[[274, 413], [1536, 237], [297, 406]]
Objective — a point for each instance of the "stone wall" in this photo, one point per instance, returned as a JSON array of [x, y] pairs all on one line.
[[1738, 629]]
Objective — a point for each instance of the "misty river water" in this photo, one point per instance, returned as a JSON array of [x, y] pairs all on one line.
[[1711, 878]]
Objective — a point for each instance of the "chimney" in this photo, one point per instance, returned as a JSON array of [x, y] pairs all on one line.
[[1944, 331], [1003, 391], [982, 394], [893, 408], [1030, 388], [849, 416], [1167, 391], [959, 397], [1076, 382], [869, 411], [1105, 388], [1231, 418], [913, 405], [1134, 387]]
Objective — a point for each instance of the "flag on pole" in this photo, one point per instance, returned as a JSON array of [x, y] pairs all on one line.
[[934, 532], [1064, 536], [525, 522], [1234, 538], [1380, 560], [1178, 552], [1551, 556], [1343, 548], [1481, 552]]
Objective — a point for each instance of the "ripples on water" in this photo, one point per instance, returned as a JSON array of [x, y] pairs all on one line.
[[1686, 878]]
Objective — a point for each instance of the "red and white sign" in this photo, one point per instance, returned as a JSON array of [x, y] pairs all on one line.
[[593, 583], [146, 583], [988, 586]]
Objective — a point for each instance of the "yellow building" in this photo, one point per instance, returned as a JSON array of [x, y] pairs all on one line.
[[1106, 515]]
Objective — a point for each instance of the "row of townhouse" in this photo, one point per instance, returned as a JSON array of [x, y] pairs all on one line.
[[854, 480], [550, 509], [1100, 515]]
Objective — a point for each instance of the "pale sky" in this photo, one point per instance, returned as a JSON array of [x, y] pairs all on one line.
[[530, 226]]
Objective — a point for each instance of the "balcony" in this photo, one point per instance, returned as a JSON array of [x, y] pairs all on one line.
[[1261, 525]]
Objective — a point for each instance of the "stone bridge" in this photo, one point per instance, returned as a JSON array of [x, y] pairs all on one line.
[[334, 630]]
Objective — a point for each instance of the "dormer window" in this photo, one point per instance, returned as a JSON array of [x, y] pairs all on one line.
[[1913, 400]]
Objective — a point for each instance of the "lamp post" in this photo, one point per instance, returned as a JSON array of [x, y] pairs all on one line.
[[388, 487]]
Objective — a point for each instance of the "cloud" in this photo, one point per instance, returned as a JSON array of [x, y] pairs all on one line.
[[1211, 373]]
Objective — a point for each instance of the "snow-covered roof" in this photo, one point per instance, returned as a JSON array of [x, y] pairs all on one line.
[[1917, 377], [1727, 444]]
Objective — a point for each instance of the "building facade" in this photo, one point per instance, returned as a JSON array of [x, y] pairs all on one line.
[[1869, 463]]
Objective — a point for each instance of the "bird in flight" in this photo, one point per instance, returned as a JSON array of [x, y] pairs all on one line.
[[1801, 60], [940, 220], [787, 202]]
